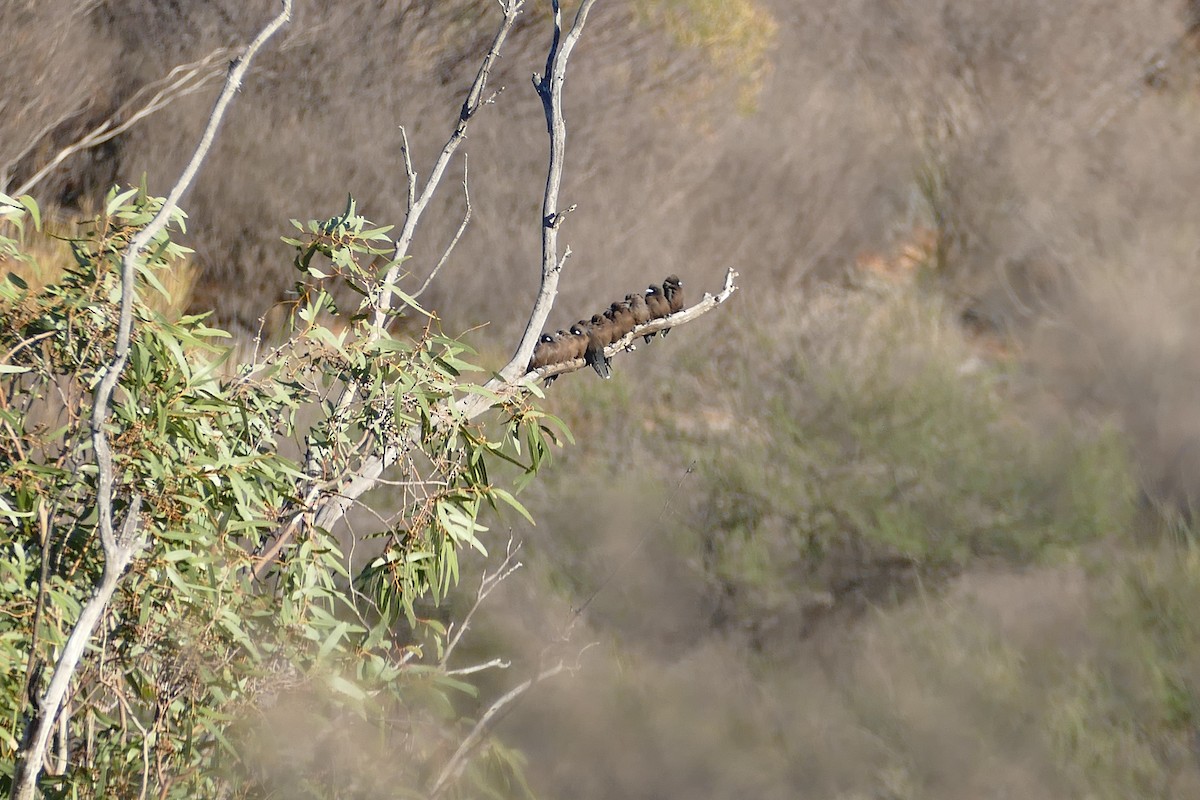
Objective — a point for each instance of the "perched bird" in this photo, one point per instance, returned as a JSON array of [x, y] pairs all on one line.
[[657, 302], [673, 290], [599, 336], [622, 319], [641, 312], [564, 344], [637, 305], [659, 306], [542, 352], [575, 345]]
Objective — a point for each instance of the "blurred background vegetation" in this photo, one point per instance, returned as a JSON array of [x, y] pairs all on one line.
[[912, 516]]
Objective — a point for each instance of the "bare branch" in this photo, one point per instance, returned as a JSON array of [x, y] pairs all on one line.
[[706, 304], [457, 235], [470, 107], [408, 171], [495, 663], [457, 761], [181, 81], [119, 549], [486, 585], [549, 88]]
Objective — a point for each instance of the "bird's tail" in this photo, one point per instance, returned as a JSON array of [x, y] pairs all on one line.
[[595, 358]]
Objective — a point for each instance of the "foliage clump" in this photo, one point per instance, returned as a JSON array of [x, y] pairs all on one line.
[[232, 607]]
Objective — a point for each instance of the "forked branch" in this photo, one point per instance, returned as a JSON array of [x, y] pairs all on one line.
[[549, 87]]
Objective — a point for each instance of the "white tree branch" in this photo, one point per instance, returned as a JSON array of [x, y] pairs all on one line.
[[470, 107], [119, 549], [706, 304], [457, 761], [549, 87]]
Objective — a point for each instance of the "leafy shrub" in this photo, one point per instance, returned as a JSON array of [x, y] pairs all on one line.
[[223, 619]]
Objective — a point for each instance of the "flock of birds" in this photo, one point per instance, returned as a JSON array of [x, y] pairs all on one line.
[[587, 338]]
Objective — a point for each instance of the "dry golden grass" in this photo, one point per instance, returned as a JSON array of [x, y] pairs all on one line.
[[48, 255]]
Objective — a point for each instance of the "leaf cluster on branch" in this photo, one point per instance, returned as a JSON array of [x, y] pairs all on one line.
[[189, 545]]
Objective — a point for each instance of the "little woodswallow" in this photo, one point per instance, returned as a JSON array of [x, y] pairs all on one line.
[[673, 289], [576, 343], [658, 304], [622, 319], [641, 311], [599, 336], [541, 352]]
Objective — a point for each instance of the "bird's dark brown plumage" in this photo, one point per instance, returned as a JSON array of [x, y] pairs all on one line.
[[638, 307], [659, 306], [657, 302], [599, 336], [622, 319], [673, 291], [541, 352], [576, 343]]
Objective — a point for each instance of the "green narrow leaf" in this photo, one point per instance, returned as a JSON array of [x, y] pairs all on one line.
[[32, 207], [512, 501], [348, 688], [331, 641]]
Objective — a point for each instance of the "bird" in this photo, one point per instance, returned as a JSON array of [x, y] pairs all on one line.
[[659, 306], [575, 345], [673, 289], [637, 304], [541, 352], [622, 319], [565, 344], [657, 302], [641, 312], [599, 336]]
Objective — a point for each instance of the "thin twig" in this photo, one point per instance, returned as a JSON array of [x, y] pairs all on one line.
[[488, 583], [457, 235], [495, 663], [470, 107], [458, 761], [169, 89], [410, 176]]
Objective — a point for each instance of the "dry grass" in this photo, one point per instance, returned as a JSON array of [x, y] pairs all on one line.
[[48, 254]]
